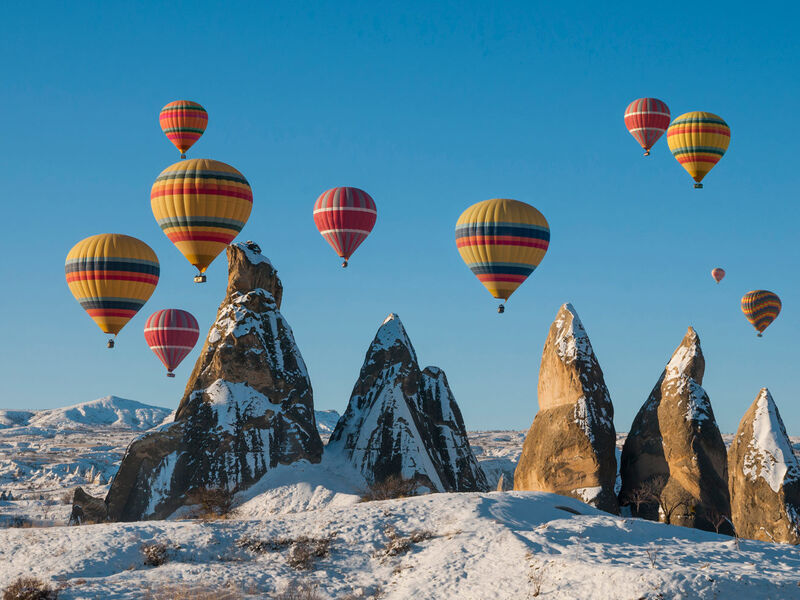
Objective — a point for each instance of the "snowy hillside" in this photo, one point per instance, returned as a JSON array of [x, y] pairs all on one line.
[[469, 546]]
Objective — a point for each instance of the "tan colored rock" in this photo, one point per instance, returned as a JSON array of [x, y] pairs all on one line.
[[764, 476], [570, 447], [674, 450]]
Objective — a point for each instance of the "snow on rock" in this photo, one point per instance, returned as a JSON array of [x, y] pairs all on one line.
[[488, 546], [252, 252], [248, 405], [109, 411], [764, 475], [674, 439], [570, 446], [405, 421]]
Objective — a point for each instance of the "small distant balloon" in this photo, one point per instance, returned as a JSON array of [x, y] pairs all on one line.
[[183, 122], [647, 119], [345, 217], [761, 308], [697, 141], [718, 274], [111, 275], [171, 334]]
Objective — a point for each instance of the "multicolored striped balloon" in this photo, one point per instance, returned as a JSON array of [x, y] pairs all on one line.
[[502, 241], [201, 205], [647, 119], [345, 216], [171, 334], [718, 274], [761, 308], [112, 276], [183, 122], [698, 140]]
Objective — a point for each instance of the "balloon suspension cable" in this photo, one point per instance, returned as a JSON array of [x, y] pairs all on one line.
[[110, 343], [647, 152], [698, 186], [344, 264], [200, 278], [501, 309], [170, 374]]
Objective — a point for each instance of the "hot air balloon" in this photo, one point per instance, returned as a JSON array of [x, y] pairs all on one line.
[[171, 335], [698, 140], [183, 122], [345, 216], [201, 205], [502, 241], [718, 274], [112, 276], [761, 308], [647, 119]]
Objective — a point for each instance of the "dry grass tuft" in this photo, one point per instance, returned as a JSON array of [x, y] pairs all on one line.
[[393, 486], [29, 588]]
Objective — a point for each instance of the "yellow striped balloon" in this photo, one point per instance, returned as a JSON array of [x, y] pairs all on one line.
[[761, 308], [201, 205], [111, 275], [697, 141], [502, 241]]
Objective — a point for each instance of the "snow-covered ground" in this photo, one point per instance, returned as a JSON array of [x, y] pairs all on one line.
[[468, 546]]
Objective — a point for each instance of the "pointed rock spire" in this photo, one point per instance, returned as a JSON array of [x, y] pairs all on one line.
[[247, 407], [764, 476], [674, 451], [570, 447], [404, 421]]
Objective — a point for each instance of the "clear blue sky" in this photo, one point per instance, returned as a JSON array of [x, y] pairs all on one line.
[[429, 107]]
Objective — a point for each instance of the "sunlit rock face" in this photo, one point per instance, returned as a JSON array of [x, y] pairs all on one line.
[[570, 448], [675, 442], [248, 405], [764, 476]]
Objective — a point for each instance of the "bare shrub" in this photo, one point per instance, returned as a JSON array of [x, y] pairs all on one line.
[[212, 503], [302, 552], [155, 554], [652, 492], [66, 497], [399, 544], [536, 579], [29, 588], [652, 555], [299, 590], [717, 519], [393, 486]]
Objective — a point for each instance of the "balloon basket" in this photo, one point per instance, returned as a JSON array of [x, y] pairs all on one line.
[[344, 265], [110, 344], [199, 278], [647, 152], [501, 309], [698, 186], [169, 374], [760, 334], [183, 155]]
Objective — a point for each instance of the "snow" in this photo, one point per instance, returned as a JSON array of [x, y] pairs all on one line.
[[769, 454], [571, 342], [698, 407], [682, 359], [480, 546], [253, 252], [112, 411], [390, 334]]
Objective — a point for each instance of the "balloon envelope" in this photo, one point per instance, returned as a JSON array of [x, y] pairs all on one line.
[[201, 205], [647, 119], [718, 274], [502, 241], [761, 308], [171, 334], [345, 216], [183, 122], [111, 275], [697, 141]]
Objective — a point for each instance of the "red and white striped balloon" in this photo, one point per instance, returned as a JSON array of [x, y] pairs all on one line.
[[718, 274], [344, 217], [647, 119], [171, 334]]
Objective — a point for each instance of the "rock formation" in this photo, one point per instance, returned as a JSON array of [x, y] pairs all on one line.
[[674, 463], [404, 421], [569, 449], [247, 407], [764, 476]]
